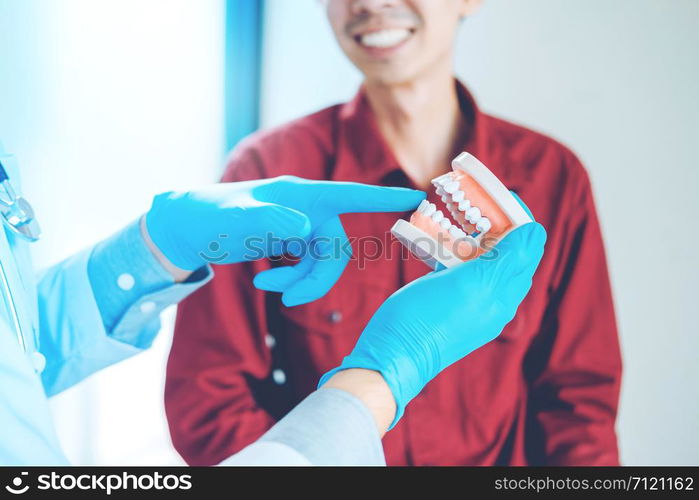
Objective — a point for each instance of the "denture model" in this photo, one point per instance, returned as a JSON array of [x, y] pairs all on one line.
[[483, 209]]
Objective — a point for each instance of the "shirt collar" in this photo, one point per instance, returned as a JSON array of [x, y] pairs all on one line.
[[362, 153], [364, 156], [483, 140]]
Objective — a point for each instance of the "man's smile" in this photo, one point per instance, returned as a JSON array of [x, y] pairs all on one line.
[[384, 38]]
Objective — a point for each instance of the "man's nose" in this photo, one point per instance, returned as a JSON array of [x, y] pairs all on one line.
[[372, 6]]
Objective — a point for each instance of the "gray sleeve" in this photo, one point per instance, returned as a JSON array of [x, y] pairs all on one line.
[[329, 427]]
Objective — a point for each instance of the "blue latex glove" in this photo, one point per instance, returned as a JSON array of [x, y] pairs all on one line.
[[438, 319], [235, 222]]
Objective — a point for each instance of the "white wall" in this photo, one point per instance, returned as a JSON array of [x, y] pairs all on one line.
[[617, 81], [105, 103], [303, 68]]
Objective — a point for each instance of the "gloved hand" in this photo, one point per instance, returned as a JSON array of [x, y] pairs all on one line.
[[438, 319], [234, 222]]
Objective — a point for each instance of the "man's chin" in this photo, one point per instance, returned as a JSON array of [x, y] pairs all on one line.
[[389, 77]]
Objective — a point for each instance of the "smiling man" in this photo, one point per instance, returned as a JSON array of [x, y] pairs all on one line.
[[544, 392]]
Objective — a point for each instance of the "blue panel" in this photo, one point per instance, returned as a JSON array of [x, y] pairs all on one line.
[[244, 20]]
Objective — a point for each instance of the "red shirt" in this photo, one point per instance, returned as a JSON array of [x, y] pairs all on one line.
[[544, 392]]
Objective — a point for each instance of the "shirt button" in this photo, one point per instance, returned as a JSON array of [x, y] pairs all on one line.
[[147, 307], [126, 281], [335, 317], [270, 341], [279, 376], [39, 361]]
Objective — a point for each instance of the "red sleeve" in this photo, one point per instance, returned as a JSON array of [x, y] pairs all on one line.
[[574, 366], [218, 387], [218, 352]]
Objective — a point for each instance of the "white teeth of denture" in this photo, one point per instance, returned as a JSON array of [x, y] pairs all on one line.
[[473, 214], [464, 205], [483, 225], [456, 232], [454, 198], [442, 180], [437, 216], [452, 187]]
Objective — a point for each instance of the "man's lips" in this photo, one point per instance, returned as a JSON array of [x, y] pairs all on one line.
[[382, 39]]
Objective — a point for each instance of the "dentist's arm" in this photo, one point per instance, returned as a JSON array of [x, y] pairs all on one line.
[[103, 305], [419, 331], [340, 424]]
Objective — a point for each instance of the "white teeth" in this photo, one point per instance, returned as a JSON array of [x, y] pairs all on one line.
[[456, 232], [437, 216], [385, 38], [452, 187], [483, 225], [454, 198], [442, 180], [473, 214]]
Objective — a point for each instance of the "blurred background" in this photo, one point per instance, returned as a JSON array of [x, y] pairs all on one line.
[[108, 102]]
